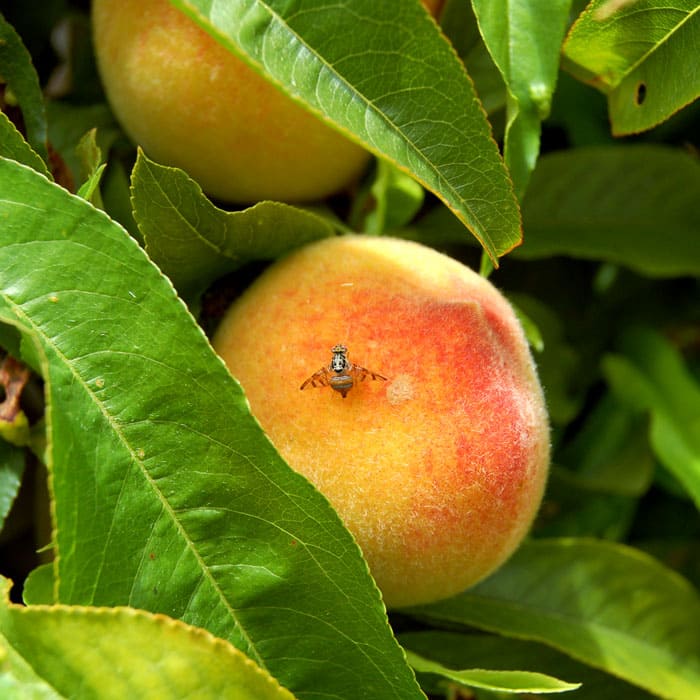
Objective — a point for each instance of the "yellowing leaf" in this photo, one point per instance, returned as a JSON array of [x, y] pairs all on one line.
[[118, 653]]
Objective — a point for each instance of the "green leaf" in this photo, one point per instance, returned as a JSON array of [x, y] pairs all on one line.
[[11, 469], [115, 188], [558, 363], [491, 652], [460, 26], [178, 503], [90, 155], [125, 653], [14, 147], [524, 38], [68, 124], [18, 680], [17, 71], [532, 331], [494, 680], [194, 242], [642, 54], [610, 452], [608, 464], [651, 376], [576, 507], [39, 586], [607, 605], [633, 205], [397, 198], [385, 84]]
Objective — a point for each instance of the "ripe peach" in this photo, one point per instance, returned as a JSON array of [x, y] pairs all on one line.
[[192, 104], [439, 471]]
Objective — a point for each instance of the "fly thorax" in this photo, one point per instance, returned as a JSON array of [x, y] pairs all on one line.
[[339, 363]]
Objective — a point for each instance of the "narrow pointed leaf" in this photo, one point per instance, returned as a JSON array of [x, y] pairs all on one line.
[[494, 680], [11, 469], [642, 54], [524, 38], [607, 605], [17, 71], [106, 653], [384, 75], [458, 650], [168, 496], [14, 147], [93, 167], [194, 242]]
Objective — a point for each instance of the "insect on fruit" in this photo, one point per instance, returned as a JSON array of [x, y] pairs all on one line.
[[341, 374]]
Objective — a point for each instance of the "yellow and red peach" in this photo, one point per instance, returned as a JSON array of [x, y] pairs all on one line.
[[439, 471], [192, 104]]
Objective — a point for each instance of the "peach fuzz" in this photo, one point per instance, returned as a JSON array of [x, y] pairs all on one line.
[[439, 471]]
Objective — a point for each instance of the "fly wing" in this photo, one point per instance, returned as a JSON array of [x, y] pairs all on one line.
[[319, 378], [361, 373]]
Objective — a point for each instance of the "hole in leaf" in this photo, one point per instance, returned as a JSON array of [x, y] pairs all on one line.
[[641, 94]]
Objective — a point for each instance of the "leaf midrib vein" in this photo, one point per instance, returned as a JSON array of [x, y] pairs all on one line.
[[666, 38], [135, 459], [481, 233]]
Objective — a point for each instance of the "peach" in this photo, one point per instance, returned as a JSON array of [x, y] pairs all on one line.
[[192, 104], [438, 471]]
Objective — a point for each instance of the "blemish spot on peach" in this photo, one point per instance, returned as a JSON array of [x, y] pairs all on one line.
[[401, 389]]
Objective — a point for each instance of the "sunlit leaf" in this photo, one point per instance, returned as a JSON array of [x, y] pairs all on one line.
[[642, 54], [494, 680], [121, 653], [168, 496], [484, 651], [386, 83], [19, 680], [607, 605]]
